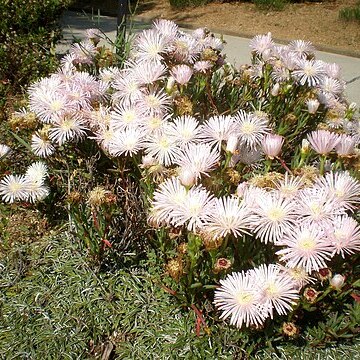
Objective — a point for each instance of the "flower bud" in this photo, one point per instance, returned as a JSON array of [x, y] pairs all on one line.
[[312, 105], [337, 281], [275, 90], [170, 83], [272, 144], [232, 143], [353, 106], [305, 146], [148, 161], [187, 177]]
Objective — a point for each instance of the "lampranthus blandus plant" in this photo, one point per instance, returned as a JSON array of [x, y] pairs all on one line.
[[243, 181]]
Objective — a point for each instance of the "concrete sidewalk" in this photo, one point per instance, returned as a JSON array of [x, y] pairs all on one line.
[[236, 48]]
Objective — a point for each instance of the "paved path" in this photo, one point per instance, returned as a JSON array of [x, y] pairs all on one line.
[[236, 48]]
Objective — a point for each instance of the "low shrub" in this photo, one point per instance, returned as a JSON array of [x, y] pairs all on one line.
[[28, 34], [350, 13], [187, 3]]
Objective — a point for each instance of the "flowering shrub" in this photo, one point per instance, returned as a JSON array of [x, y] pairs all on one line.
[[241, 180]]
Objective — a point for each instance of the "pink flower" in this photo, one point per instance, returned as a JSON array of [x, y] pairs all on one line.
[[272, 144], [181, 73], [323, 141]]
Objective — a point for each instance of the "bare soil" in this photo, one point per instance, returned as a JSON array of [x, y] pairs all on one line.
[[317, 22]]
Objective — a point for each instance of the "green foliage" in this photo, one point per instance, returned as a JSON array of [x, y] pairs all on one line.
[[28, 34], [53, 303], [184, 3], [276, 5], [351, 13]]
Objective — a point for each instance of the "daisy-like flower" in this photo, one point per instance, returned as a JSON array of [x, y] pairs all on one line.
[[342, 187], [217, 129], [289, 186], [273, 217], [4, 150], [331, 86], [344, 235], [332, 70], [181, 73], [66, 128], [272, 144], [185, 129], [185, 48], [90, 85], [323, 141], [316, 206], [151, 45], [262, 44], [213, 43], [299, 276], [346, 145], [195, 210], [41, 145], [163, 148], [128, 141], [301, 47], [156, 123], [202, 66], [47, 99], [146, 72], [239, 298], [78, 96], [37, 172], [278, 289], [167, 28], [109, 74], [128, 88], [13, 188], [250, 128], [309, 72], [83, 52], [306, 247], [229, 216], [169, 196], [125, 115], [35, 188], [94, 35], [154, 102]]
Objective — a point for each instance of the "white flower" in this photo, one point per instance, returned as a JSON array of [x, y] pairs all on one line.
[[4, 150], [217, 129], [195, 210], [198, 158], [250, 128], [185, 129], [306, 247], [229, 216], [273, 217], [14, 187], [239, 297], [163, 148], [342, 187], [128, 141], [278, 289], [41, 146]]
